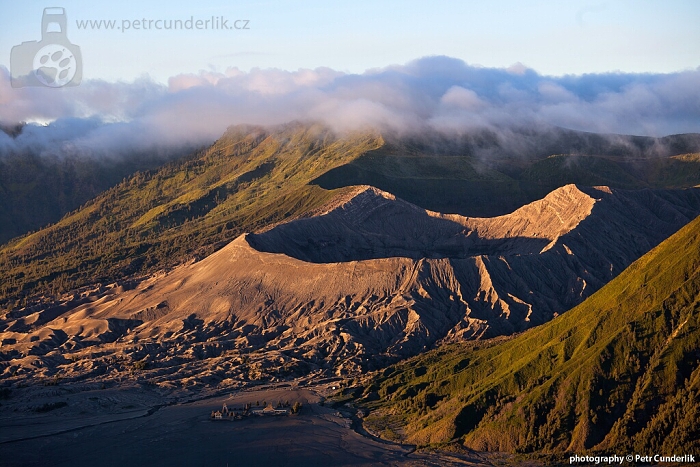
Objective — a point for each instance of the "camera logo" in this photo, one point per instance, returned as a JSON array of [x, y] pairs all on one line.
[[53, 61]]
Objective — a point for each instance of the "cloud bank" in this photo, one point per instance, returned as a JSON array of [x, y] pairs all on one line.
[[435, 92]]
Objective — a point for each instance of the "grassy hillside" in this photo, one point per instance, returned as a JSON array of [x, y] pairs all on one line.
[[36, 190], [250, 178], [618, 373]]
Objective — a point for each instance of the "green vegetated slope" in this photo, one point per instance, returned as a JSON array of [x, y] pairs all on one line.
[[478, 186], [250, 178], [618, 373], [36, 190]]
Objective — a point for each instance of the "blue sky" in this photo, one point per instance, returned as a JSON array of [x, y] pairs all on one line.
[[552, 37]]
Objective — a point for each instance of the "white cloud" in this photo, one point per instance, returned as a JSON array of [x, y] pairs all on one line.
[[438, 92], [460, 98]]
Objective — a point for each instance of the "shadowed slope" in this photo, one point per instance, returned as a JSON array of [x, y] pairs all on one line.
[[370, 223], [482, 174]]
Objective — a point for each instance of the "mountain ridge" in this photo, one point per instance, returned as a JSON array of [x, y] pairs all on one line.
[[349, 313], [256, 177]]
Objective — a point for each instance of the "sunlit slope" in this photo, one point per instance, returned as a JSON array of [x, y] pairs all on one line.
[[618, 372]]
